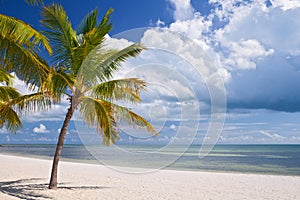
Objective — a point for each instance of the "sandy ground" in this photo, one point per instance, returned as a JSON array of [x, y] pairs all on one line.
[[27, 178]]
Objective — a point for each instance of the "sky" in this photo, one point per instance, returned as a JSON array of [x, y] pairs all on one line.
[[225, 71]]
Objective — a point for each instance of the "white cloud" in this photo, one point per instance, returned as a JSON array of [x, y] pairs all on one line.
[[20, 85], [114, 43], [286, 4], [192, 28], [244, 54], [183, 9], [160, 23], [173, 127], [274, 136], [41, 129]]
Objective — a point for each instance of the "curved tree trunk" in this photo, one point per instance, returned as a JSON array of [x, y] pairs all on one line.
[[60, 143]]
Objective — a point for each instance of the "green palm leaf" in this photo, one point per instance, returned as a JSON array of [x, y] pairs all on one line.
[[88, 23], [26, 64], [12, 104], [100, 115], [8, 93], [104, 116], [56, 83], [34, 2], [133, 119], [61, 34], [19, 44], [90, 36], [103, 29], [123, 89], [101, 64], [5, 77], [22, 33], [9, 117], [31, 102]]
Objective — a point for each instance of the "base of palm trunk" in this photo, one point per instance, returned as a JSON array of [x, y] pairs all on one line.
[[52, 187]]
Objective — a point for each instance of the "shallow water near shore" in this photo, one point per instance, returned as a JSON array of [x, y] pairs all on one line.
[[261, 159]]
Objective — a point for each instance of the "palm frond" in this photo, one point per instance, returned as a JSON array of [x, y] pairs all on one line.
[[34, 2], [100, 115], [31, 102], [7, 93], [90, 36], [123, 89], [13, 104], [22, 33], [97, 36], [61, 34], [9, 118], [101, 64], [56, 84], [5, 77], [104, 116], [23, 61], [88, 23], [105, 25], [114, 61], [132, 118]]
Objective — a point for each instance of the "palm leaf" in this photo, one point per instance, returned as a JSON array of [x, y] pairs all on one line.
[[90, 36], [9, 117], [61, 34], [19, 44], [5, 77], [34, 2], [22, 33], [101, 64], [99, 114], [8, 93], [132, 118], [88, 23], [102, 30], [57, 83], [32, 102], [123, 89], [12, 107], [24, 62], [104, 116]]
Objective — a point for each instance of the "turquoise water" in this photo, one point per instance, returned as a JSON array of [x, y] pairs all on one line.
[[262, 159]]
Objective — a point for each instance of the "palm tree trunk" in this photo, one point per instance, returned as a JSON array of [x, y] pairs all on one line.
[[60, 143]]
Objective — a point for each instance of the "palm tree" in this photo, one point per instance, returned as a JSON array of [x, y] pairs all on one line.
[[91, 89]]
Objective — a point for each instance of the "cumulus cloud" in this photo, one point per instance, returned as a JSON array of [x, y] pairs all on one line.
[[41, 129], [20, 85], [116, 43], [256, 50], [286, 4], [183, 9], [173, 127], [245, 53]]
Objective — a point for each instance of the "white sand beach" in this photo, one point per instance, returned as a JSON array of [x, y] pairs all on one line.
[[27, 178]]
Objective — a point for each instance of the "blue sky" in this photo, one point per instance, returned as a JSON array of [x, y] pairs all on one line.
[[255, 50]]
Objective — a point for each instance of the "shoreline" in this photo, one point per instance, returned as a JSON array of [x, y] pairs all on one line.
[[22, 177], [139, 169]]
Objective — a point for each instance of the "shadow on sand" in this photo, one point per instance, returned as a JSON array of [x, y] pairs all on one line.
[[30, 190]]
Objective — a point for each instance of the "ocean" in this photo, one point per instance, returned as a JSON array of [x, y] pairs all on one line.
[[258, 159]]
